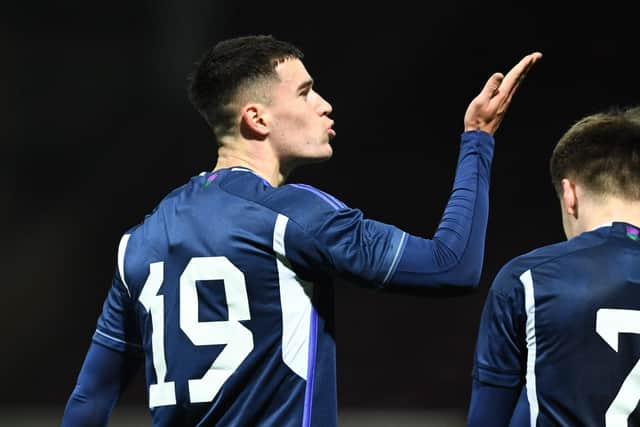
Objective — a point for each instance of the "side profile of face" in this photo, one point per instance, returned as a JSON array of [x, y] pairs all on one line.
[[298, 117]]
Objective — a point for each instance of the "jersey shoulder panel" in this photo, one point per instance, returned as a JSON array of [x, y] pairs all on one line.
[[149, 240], [296, 201], [305, 204], [538, 257]]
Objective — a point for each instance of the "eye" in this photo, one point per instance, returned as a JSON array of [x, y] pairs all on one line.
[[305, 89]]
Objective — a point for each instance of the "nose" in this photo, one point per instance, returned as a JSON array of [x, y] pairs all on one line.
[[325, 108]]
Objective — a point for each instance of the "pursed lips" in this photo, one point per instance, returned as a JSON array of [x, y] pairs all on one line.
[[332, 132]]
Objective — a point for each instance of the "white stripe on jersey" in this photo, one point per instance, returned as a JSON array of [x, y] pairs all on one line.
[[122, 248], [530, 309], [296, 307]]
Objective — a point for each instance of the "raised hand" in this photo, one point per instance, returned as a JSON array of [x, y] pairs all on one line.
[[486, 111]]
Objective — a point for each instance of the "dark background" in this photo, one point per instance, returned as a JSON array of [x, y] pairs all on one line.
[[96, 127]]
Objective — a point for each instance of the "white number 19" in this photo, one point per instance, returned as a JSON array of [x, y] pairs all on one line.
[[609, 323], [238, 339]]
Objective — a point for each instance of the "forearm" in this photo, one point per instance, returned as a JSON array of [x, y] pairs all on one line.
[[454, 257], [105, 373], [491, 405], [85, 410]]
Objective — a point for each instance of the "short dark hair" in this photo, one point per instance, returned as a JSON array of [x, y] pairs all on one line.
[[230, 66], [602, 152]]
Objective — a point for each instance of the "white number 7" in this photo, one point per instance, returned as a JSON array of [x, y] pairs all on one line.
[[609, 323], [238, 339]]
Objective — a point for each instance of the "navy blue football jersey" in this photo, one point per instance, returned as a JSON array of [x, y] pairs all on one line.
[[225, 285], [226, 288], [563, 323]]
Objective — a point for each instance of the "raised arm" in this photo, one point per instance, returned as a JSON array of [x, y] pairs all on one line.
[[454, 257]]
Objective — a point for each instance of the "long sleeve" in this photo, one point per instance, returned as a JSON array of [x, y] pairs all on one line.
[[491, 405], [454, 256], [105, 373], [498, 393]]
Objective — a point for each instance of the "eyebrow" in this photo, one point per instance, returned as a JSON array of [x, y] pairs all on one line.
[[305, 85]]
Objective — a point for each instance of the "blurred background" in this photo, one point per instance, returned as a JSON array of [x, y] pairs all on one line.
[[96, 127]]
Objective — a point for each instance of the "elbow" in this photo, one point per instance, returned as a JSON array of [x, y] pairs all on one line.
[[454, 281], [460, 283], [469, 278], [460, 279], [459, 268]]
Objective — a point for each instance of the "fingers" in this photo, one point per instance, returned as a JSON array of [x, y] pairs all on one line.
[[513, 78], [491, 86], [486, 110]]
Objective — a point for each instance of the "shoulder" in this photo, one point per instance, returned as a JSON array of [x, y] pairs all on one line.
[[308, 194], [565, 250], [289, 199], [545, 258], [308, 206], [538, 256]]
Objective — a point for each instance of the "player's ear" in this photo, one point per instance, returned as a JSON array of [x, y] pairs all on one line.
[[569, 197], [253, 120]]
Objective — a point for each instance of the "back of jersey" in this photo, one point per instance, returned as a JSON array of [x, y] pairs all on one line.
[[231, 335], [582, 308]]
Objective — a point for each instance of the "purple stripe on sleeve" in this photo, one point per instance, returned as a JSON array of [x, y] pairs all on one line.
[[311, 368], [331, 197], [334, 204]]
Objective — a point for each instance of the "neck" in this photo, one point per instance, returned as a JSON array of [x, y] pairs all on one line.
[[263, 164], [606, 210]]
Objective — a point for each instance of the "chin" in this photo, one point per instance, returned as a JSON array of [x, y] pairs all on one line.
[[319, 159], [314, 159], [326, 157], [322, 155]]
